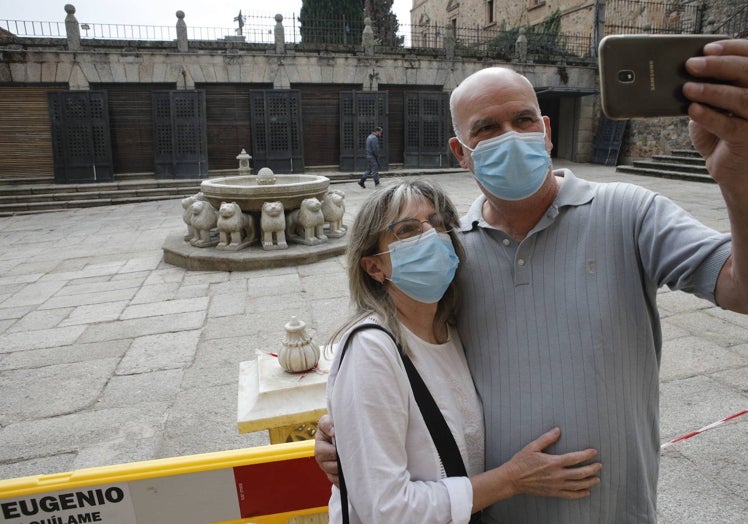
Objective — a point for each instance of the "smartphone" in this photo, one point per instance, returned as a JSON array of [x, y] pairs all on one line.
[[642, 76]]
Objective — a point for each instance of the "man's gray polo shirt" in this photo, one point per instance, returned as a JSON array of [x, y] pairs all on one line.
[[563, 330]]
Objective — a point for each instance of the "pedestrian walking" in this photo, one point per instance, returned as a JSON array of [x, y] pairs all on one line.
[[372, 157]]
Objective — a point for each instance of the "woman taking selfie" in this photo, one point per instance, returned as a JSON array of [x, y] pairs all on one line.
[[408, 422]]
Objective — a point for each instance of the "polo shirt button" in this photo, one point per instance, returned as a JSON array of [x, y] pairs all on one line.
[[506, 241], [521, 262]]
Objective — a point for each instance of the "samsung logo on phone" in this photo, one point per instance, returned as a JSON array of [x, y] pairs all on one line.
[[651, 75]]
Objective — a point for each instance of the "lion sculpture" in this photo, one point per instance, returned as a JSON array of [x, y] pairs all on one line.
[[333, 209], [204, 219], [307, 224], [187, 214], [273, 225], [236, 229]]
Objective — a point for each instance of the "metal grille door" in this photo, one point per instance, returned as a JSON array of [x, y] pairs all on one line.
[[80, 136], [277, 141], [427, 129], [608, 141], [360, 113], [180, 147]]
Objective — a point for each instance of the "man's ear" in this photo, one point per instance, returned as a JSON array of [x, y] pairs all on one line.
[[548, 142], [456, 148], [373, 267]]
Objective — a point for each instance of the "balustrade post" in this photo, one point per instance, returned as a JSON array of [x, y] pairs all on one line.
[[72, 29], [280, 35], [367, 38], [182, 45], [449, 43]]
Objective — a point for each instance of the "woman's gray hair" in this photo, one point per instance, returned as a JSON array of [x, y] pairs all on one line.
[[379, 211]]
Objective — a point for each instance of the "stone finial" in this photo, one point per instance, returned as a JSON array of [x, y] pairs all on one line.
[[72, 29], [280, 35], [244, 159], [298, 352], [520, 46], [182, 45], [367, 38]]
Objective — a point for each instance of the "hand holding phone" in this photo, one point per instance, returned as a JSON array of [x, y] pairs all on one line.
[[643, 75]]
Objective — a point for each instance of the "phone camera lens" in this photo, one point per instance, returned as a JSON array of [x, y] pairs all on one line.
[[626, 76]]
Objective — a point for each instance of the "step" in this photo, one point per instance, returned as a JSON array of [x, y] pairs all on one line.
[[129, 185], [60, 202], [55, 194], [678, 159], [121, 177], [25, 181], [671, 166], [680, 175], [125, 184], [686, 152], [139, 199], [21, 208]]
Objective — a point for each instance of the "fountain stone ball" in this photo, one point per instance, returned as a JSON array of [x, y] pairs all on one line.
[[250, 195]]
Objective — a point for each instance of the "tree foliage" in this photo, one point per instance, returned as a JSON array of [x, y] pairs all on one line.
[[543, 40], [384, 22], [331, 21]]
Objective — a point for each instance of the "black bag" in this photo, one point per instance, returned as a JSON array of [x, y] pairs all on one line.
[[443, 439]]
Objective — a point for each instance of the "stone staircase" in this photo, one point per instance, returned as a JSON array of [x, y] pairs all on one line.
[[42, 195], [684, 164], [26, 196]]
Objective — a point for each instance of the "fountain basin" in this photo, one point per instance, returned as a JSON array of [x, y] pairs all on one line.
[[290, 190]]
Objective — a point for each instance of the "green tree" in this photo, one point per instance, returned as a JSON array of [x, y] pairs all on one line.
[[384, 22], [331, 22]]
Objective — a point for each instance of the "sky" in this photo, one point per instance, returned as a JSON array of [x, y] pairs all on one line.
[[198, 13]]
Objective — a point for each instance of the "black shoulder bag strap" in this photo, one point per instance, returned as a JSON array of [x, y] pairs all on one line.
[[442, 436]]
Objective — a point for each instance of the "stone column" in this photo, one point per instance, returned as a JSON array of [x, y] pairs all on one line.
[[449, 43], [520, 46], [280, 35], [72, 28], [182, 45], [367, 38]]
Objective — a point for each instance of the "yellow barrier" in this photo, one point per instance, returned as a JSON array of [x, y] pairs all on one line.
[[264, 485]]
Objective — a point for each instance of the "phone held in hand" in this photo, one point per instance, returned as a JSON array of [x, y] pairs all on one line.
[[643, 75]]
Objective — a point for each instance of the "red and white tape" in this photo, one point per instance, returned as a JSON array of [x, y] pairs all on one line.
[[705, 428]]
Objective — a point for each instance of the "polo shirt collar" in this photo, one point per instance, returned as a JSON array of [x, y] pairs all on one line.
[[574, 192]]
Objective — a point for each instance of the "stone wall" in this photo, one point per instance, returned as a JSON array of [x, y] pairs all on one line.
[[657, 136], [577, 15], [46, 61]]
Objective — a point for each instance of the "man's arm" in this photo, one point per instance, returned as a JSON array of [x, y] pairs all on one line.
[[719, 131], [324, 449], [374, 149]]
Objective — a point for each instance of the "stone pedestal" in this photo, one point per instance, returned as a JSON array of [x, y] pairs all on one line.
[[287, 405]]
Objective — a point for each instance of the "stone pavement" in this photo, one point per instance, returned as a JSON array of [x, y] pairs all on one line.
[[109, 355]]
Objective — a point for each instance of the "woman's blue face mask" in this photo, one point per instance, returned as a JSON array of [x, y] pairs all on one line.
[[423, 266], [512, 166]]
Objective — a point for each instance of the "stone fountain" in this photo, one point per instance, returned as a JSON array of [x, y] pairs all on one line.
[[244, 222]]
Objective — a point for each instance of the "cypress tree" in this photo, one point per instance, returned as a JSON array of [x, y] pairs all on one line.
[[384, 22], [331, 21]]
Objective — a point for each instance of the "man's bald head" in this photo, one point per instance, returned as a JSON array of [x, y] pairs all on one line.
[[489, 83]]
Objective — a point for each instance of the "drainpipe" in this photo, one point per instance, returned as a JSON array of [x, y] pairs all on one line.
[[599, 29]]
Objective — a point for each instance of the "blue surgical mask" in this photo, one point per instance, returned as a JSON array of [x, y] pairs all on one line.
[[423, 266], [512, 166]]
